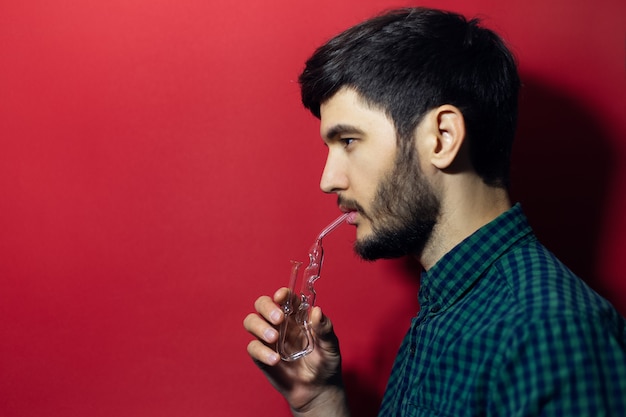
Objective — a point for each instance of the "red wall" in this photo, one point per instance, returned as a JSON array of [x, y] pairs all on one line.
[[157, 173]]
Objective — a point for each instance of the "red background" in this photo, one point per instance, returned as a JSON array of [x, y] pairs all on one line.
[[157, 173]]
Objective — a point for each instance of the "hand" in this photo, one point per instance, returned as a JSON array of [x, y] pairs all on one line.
[[311, 385]]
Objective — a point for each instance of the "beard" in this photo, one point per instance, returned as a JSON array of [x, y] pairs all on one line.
[[403, 213]]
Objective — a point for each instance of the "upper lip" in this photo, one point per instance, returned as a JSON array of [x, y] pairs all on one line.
[[347, 209]]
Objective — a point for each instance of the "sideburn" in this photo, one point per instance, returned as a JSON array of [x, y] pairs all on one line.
[[404, 212]]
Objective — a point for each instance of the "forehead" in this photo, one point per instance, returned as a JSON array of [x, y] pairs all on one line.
[[347, 112]]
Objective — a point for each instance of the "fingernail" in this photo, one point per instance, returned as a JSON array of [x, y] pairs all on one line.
[[270, 335], [275, 315], [272, 357]]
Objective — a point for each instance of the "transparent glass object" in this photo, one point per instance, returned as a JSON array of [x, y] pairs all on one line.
[[296, 337]]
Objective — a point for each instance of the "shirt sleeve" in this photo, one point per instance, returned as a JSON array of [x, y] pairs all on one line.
[[563, 366]]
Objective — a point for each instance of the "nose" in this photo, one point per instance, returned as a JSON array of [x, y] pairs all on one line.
[[334, 177]]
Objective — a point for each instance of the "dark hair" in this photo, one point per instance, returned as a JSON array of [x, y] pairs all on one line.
[[409, 61]]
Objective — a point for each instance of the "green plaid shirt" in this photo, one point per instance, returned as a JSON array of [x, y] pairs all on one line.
[[505, 329]]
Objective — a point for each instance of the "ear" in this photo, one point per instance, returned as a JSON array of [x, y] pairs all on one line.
[[449, 135]]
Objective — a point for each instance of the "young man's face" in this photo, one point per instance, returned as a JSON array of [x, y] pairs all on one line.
[[396, 207]]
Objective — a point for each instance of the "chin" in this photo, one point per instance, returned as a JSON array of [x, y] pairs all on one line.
[[363, 233]]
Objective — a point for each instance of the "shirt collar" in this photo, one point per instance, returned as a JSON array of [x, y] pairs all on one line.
[[459, 269]]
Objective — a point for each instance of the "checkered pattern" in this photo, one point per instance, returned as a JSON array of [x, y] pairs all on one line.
[[505, 329]]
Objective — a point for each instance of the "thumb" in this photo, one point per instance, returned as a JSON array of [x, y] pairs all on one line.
[[323, 329]]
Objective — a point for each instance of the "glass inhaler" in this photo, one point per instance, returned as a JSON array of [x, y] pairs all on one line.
[[295, 335]]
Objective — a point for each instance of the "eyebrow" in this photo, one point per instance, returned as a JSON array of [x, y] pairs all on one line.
[[340, 129]]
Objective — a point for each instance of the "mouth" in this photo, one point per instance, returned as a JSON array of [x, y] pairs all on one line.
[[352, 207], [351, 219], [353, 212]]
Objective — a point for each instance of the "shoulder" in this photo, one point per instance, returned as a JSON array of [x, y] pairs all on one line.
[[562, 347], [540, 285], [572, 364]]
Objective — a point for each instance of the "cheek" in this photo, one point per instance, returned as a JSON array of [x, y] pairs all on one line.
[[367, 193], [373, 173]]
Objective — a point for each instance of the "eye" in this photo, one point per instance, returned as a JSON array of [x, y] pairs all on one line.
[[347, 141]]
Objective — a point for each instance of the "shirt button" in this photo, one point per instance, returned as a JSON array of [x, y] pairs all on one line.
[[412, 349], [435, 308]]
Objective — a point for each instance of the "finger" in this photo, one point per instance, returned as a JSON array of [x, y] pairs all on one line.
[[260, 328], [324, 332], [268, 309], [280, 296], [322, 326], [262, 354]]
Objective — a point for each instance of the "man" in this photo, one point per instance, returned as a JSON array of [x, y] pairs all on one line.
[[418, 110]]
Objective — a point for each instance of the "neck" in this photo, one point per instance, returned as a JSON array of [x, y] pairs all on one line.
[[467, 204]]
